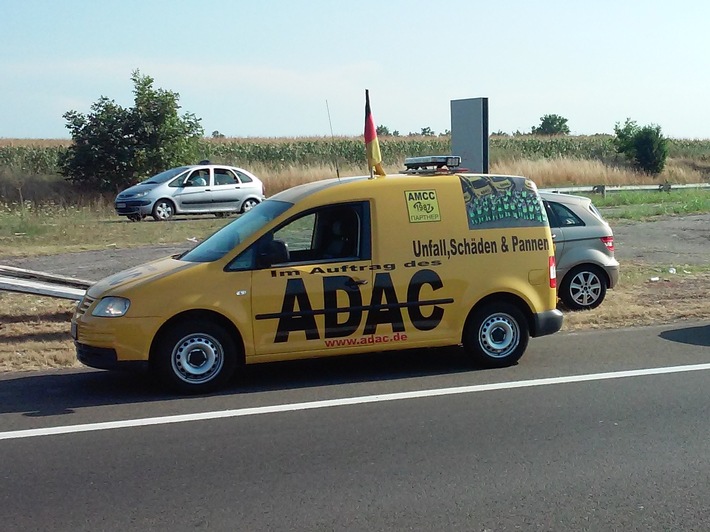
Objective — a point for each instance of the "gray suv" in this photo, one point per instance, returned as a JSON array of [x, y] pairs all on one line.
[[584, 250], [197, 189]]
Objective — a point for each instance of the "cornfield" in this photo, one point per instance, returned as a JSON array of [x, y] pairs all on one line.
[[41, 157]]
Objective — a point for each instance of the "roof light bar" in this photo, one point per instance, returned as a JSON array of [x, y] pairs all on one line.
[[432, 161]]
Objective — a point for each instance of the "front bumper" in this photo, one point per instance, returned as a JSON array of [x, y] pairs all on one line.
[[106, 358], [126, 207]]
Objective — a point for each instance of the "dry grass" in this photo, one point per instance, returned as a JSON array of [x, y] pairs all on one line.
[[639, 301], [545, 173], [276, 180], [576, 172], [34, 330]]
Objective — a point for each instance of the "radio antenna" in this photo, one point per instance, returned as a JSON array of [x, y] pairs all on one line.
[[332, 137]]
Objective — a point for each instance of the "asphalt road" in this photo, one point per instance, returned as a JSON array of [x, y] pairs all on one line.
[[562, 441]]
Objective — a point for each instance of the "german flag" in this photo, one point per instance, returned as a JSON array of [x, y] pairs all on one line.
[[374, 157]]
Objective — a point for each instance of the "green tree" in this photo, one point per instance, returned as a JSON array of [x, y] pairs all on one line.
[[551, 125], [113, 146], [383, 130], [645, 147]]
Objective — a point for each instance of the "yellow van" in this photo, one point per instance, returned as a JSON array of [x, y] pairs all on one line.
[[337, 267]]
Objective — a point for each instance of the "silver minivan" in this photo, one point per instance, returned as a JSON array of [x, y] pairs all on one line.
[[197, 189], [584, 250]]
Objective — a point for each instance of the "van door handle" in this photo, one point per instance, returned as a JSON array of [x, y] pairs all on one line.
[[354, 283]]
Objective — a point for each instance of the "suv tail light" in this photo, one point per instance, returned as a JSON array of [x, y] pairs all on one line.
[[553, 272], [608, 241]]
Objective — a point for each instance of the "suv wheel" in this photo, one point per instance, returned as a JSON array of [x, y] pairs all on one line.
[[583, 288]]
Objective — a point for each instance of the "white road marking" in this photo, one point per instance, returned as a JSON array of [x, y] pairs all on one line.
[[311, 405]]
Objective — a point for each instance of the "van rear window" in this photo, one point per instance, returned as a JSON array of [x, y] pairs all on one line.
[[501, 201]]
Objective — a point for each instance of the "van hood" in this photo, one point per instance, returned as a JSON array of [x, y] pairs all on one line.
[[138, 275]]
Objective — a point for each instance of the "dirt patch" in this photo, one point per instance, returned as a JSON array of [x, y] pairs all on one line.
[[674, 241]]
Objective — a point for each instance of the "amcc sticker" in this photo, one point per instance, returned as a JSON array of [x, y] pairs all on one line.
[[422, 206]]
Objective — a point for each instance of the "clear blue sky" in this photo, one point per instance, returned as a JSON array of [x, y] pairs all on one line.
[[267, 67]]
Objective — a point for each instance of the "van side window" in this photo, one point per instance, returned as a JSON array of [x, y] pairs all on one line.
[[329, 234]]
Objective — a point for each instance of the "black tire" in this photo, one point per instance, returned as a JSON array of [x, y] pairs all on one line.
[[135, 217], [221, 214], [496, 335], [163, 210], [583, 288], [249, 204], [195, 356]]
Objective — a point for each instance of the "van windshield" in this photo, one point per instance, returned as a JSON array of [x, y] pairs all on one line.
[[224, 240]]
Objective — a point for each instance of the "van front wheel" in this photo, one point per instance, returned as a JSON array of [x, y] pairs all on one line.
[[195, 357], [496, 335]]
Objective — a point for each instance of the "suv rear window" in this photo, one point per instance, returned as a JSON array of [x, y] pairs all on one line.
[[561, 216]]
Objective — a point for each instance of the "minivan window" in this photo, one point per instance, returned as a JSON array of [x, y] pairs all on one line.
[[244, 178], [224, 240]]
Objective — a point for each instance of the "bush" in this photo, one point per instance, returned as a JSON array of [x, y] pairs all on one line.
[[551, 125], [112, 146], [646, 146]]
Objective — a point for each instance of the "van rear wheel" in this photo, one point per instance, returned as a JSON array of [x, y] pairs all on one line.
[[496, 335], [195, 357]]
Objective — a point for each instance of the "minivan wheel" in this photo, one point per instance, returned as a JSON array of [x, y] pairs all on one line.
[[135, 217], [583, 288], [249, 204], [496, 335], [195, 357], [163, 210]]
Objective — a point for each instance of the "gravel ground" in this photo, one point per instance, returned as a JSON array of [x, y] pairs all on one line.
[[673, 241]]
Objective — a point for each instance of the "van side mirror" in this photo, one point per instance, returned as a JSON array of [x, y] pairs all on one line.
[[276, 252]]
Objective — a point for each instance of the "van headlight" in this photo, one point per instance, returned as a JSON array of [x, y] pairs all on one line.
[[111, 307]]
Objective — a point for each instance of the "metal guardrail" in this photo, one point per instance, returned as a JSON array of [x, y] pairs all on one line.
[[604, 189], [40, 283]]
